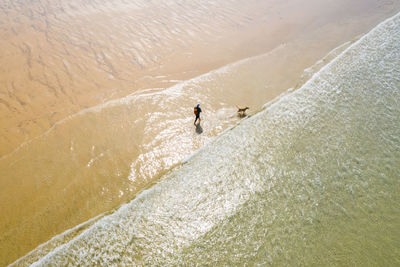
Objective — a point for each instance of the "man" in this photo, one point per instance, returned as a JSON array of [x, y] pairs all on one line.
[[197, 111]]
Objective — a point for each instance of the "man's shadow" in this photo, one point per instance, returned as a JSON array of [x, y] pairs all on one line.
[[199, 130]]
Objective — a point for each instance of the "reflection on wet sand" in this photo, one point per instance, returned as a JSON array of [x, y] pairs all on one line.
[[81, 132], [66, 56]]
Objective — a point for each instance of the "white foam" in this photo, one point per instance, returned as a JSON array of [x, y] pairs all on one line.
[[43, 249], [148, 92], [207, 188]]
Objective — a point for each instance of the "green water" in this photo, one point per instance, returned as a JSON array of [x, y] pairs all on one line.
[[331, 158], [313, 179]]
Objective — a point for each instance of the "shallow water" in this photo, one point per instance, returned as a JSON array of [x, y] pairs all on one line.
[[312, 180], [96, 96]]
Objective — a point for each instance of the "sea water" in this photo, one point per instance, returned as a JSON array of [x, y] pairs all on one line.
[[313, 179]]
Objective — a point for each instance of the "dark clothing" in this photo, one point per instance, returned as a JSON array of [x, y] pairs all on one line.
[[198, 111]]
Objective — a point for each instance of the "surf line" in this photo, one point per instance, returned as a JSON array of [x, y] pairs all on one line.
[[141, 93], [58, 238]]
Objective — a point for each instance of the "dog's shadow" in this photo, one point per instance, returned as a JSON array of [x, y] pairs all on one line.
[[199, 129], [241, 115]]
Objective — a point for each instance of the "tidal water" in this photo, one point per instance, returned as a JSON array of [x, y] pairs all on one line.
[[312, 179]]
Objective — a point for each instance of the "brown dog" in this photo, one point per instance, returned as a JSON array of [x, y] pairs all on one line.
[[242, 111]]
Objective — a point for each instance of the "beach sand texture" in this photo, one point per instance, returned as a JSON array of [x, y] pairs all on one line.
[[96, 97]]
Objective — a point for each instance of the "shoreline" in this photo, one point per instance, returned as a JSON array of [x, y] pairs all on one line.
[[174, 65], [328, 59], [170, 185], [271, 94]]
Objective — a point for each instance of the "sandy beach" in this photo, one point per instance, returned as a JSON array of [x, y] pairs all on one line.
[[96, 98]]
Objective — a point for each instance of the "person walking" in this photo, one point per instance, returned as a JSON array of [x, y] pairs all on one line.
[[197, 111]]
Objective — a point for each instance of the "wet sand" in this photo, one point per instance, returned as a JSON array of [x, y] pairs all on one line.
[[62, 58], [59, 59]]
